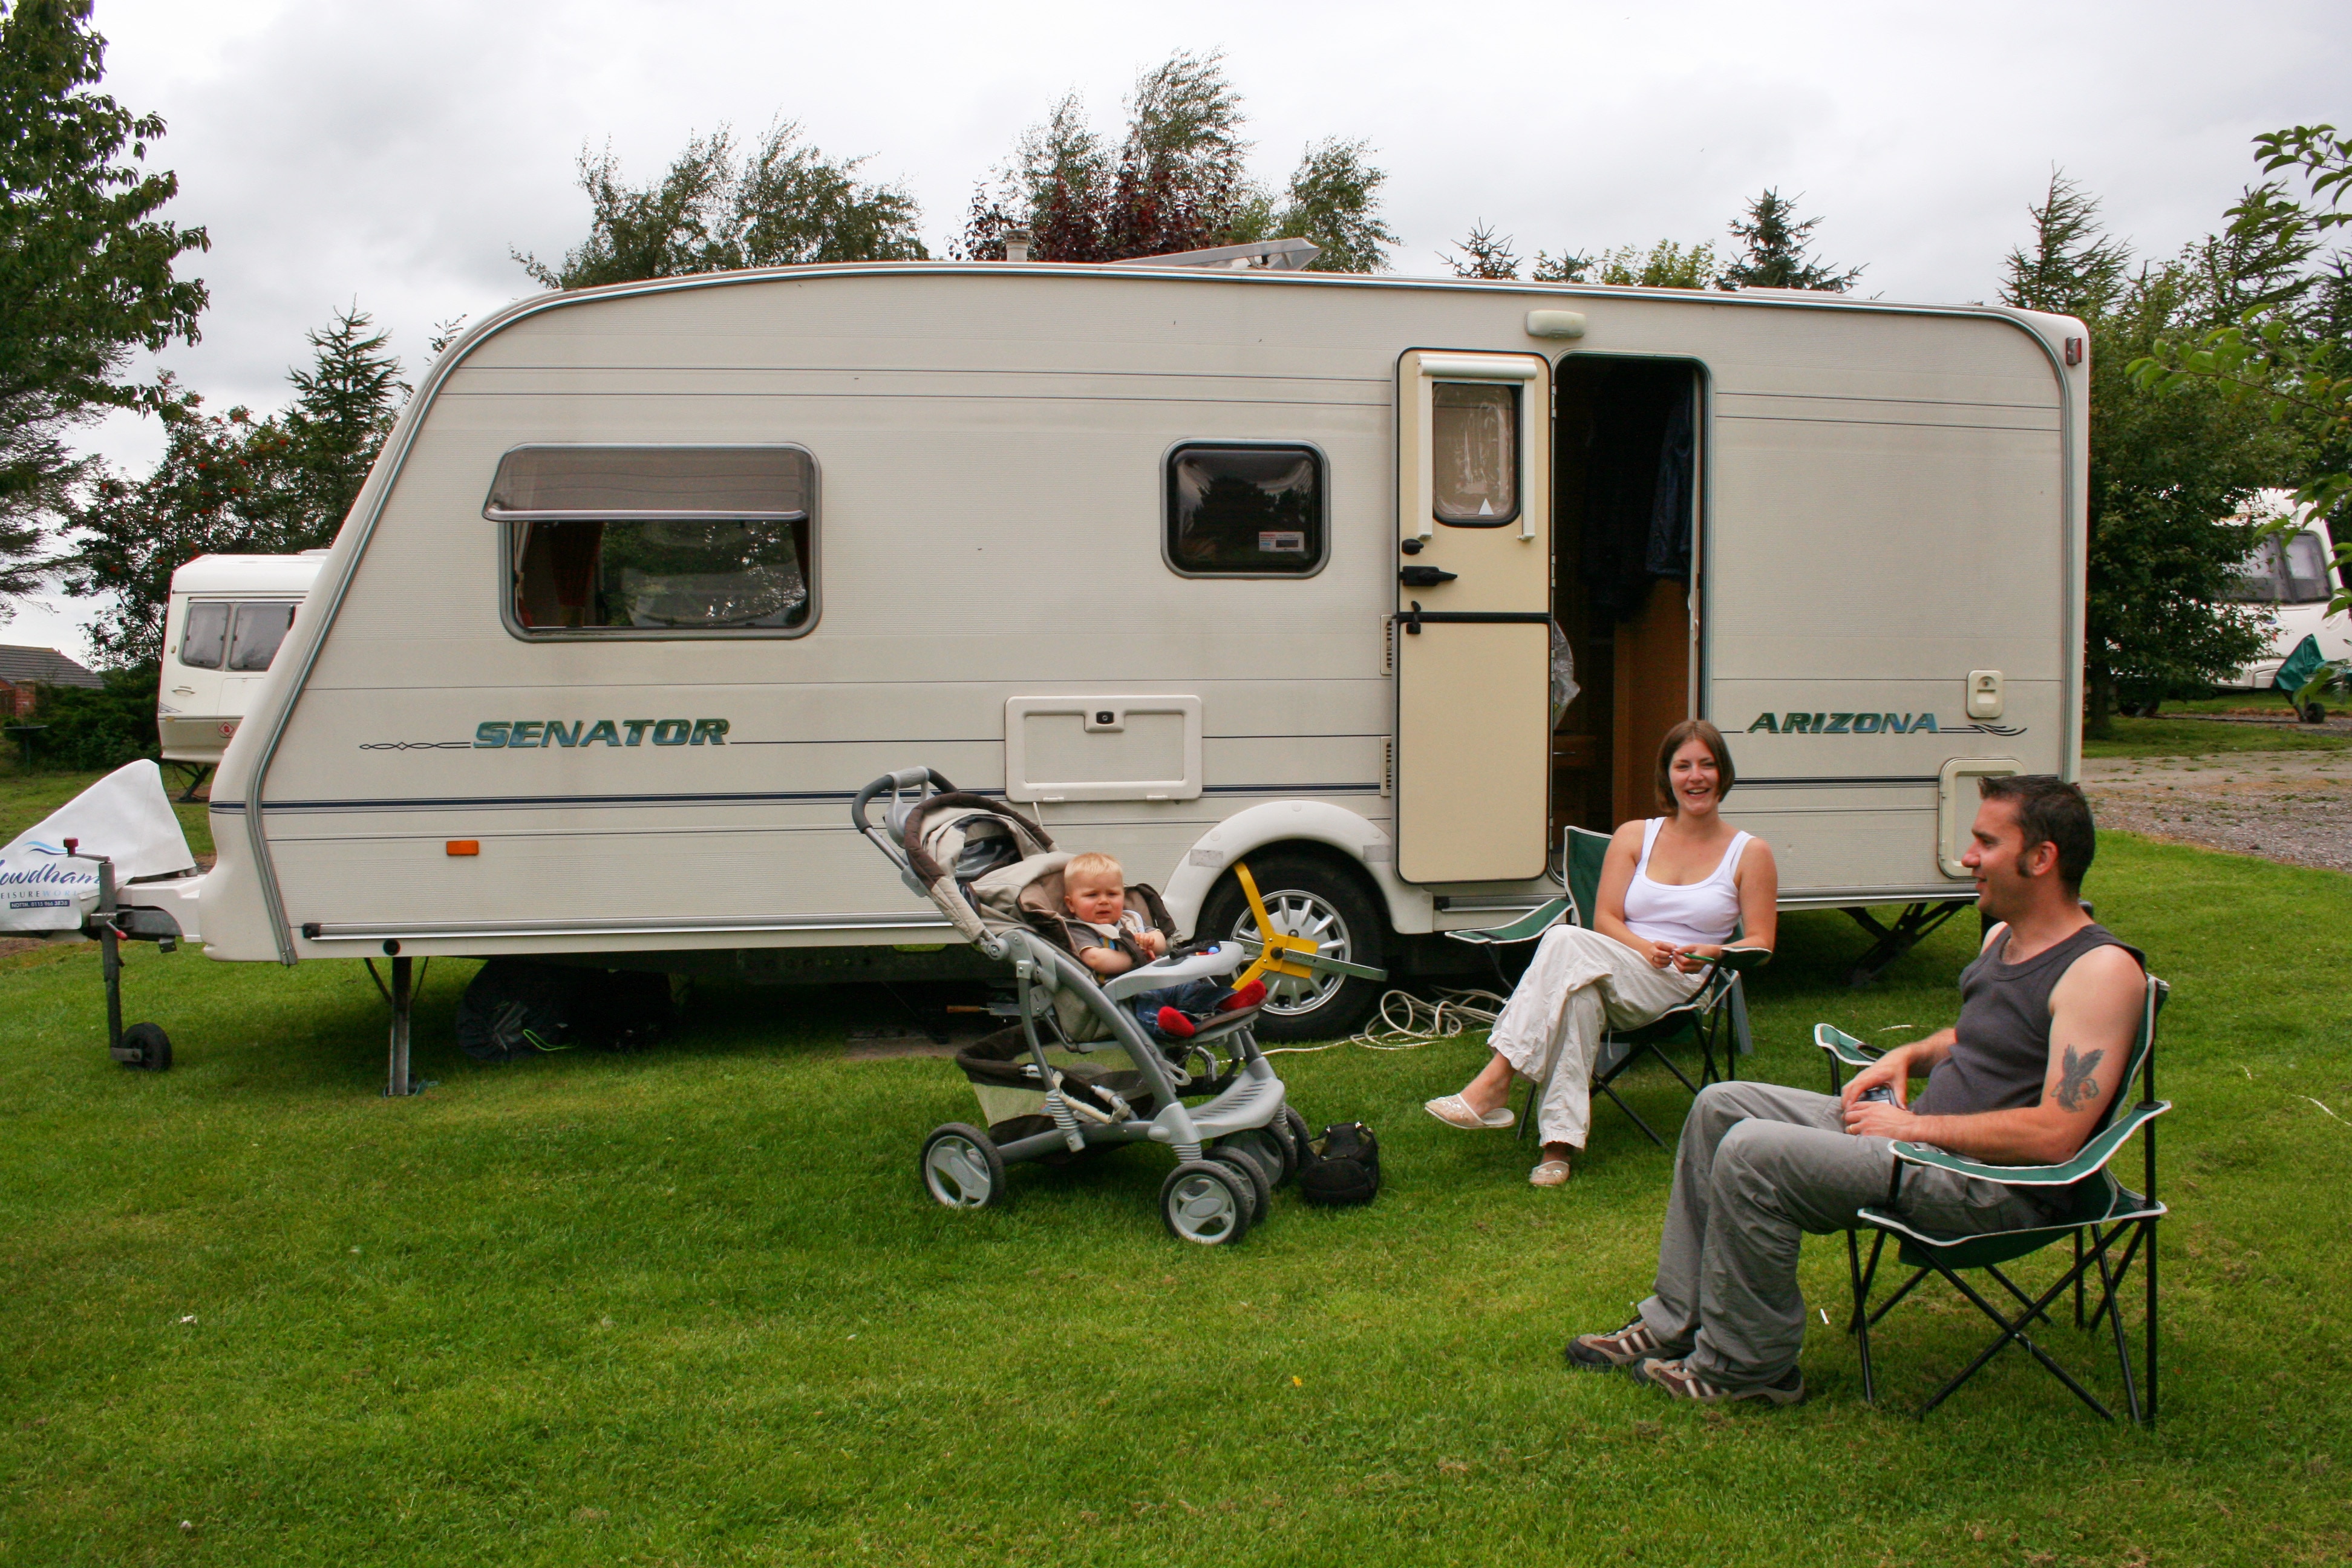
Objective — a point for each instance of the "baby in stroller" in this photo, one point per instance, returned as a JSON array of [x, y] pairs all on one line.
[[1110, 939]]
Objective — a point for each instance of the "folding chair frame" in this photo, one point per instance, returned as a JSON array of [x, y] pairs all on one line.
[[2130, 1218]]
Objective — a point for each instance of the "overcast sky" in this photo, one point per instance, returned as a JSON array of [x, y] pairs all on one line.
[[391, 155]]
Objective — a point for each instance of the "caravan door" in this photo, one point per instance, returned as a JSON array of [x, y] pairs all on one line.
[[1472, 633]]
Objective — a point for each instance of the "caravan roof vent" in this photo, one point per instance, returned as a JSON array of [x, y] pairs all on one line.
[[554, 484], [1269, 255]]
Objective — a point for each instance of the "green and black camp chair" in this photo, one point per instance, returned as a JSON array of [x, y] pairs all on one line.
[[1715, 1015], [2108, 1213]]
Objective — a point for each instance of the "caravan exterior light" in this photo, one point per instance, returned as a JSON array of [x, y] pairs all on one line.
[[464, 846]]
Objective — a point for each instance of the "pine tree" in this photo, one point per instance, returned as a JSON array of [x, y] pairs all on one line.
[[1483, 254], [1773, 250], [2073, 268], [2168, 475], [232, 483]]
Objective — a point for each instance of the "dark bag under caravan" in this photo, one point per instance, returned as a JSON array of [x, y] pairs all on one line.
[[515, 1008], [1342, 1167]]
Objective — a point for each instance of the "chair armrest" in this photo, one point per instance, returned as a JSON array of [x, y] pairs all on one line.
[[2090, 1159], [1740, 959], [1527, 927], [1845, 1047]]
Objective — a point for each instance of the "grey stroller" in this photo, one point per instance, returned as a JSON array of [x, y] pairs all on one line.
[[1080, 1071]]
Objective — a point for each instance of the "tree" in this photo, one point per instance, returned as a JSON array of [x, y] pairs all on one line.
[[1665, 265], [2074, 268], [1483, 254], [1774, 250], [1177, 180], [230, 483], [2285, 349], [2168, 476], [86, 269], [784, 204]]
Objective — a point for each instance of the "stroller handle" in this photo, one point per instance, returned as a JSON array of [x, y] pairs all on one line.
[[904, 779]]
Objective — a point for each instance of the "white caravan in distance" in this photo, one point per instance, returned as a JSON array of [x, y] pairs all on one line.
[[1196, 564], [2296, 576], [225, 619]]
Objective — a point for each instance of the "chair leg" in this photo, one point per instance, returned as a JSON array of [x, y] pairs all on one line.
[[1527, 1117], [2013, 1330], [1907, 1287], [2078, 1278], [2114, 1321], [2147, 1227], [1859, 1324]]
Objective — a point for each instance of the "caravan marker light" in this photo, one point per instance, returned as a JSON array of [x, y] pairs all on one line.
[[464, 846]]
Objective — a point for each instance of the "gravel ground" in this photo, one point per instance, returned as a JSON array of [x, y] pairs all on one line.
[[2283, 805]]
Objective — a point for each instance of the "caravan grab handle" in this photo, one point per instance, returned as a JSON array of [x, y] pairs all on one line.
[[904, 779]]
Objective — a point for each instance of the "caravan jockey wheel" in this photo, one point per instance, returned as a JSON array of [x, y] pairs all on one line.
[[961, 1169], [146, 1047], [1306, 896]]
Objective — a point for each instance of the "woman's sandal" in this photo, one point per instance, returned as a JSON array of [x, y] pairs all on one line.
[[1454, 1111], [1551, 1173]]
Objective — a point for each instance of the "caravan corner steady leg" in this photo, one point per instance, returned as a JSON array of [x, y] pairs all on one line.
[[1913, 926], [402, 996]]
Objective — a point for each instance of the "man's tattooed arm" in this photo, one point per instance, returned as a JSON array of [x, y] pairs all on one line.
[[2076, 1086]]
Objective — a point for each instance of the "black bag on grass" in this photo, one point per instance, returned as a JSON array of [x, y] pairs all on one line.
[[515, 1008], [1342, 1167]]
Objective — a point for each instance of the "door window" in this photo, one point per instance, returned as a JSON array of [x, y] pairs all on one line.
[[1475, 430]]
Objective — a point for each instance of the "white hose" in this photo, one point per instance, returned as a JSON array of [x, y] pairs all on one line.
[[1407, 1023]]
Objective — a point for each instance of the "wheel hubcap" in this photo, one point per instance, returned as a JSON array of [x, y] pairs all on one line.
[[1295, 913], [956, 1174]]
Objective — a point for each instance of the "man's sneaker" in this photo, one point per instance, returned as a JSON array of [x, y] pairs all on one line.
[[1626, 1348], [1681, 1382]]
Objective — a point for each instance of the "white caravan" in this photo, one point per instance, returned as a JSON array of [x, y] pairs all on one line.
[[226, 618], [2296, 576], [1198, 565]]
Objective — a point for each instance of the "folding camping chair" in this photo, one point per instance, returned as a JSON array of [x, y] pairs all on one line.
[[1716, 1014], [2112, 1212]]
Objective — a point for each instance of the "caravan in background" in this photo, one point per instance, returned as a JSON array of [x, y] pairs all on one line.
[[221, 628]]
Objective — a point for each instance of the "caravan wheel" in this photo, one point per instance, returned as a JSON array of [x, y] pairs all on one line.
[[1304, 897]]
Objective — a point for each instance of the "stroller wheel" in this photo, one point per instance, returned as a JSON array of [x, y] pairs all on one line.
[[1206, 1201], [1271, 1145], [1302, 1140], [962, 1168], [1254, 1169]]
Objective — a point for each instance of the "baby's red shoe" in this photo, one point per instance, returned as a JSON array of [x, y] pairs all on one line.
[[1174, 1025], [1249, 995]]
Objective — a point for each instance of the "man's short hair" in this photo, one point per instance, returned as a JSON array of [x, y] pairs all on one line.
[[2050, 811], [1706, 736]]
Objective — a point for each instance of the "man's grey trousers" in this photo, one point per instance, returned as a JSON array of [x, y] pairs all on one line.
[[1758, 1166]]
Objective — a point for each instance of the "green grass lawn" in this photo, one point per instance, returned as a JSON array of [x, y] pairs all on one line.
[[691, 1306]]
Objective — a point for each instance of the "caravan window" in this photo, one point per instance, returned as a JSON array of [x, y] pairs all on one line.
[[2306, 569], [206, 635], [1245, 510], [259, 629], [657, 542], [1474, 432]]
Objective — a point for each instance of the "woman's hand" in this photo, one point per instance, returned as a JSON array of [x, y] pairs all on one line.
[[1661, 955], [1692, 957]]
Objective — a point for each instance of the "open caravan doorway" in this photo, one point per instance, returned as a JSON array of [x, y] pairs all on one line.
[[1624, 578]]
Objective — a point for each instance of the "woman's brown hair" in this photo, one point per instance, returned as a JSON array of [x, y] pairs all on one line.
[[1710, 737]]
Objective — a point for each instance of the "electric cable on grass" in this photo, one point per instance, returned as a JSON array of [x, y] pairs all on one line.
[[1407, 1023]]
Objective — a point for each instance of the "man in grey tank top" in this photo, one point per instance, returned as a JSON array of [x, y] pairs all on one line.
[[2048, 1012]]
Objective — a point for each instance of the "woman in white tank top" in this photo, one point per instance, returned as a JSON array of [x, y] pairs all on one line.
[[1672, 890]]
